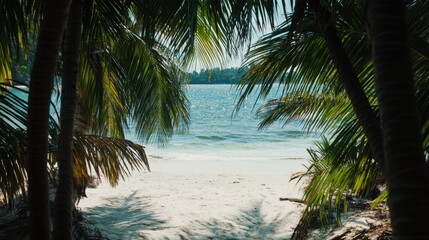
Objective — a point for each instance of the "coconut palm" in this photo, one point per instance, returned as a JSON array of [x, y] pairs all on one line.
[[64, 194], [62, 224], [123, 149], [315, 96], [350, 81], [45, 62], [407, 170], [319, 18], [302, 63]]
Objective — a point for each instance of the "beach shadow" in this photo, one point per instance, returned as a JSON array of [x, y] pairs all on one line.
[[124, 218], [249, 223]]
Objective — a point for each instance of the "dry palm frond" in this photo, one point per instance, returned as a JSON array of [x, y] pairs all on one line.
[[111, 158]]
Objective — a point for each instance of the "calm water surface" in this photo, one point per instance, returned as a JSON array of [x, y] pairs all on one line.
[[215, 132]]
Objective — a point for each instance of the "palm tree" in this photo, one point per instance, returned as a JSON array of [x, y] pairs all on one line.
[[321, 22], [63, 198], [302, 63], [159, 82], [341, 165], [161, 91], [406, 167], [125, 148], [129, 151], [350, 81], [45, 62]]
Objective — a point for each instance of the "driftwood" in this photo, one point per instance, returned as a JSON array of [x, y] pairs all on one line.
[[297, 200], [340, 235]]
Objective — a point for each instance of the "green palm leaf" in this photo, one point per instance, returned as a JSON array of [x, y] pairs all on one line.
[[319, 112], [105, 157], [157, 99], [130, 76], [13, 152], [13, 118], [111, 158], [12, 35]]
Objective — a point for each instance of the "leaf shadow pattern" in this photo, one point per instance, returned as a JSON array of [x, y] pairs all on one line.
[[249, 223], [125, 218]]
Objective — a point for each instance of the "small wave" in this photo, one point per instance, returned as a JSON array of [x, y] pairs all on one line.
[[213, 138]]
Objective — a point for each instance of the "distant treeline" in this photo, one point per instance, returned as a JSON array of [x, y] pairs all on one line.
[[217, 76], [205, 76]]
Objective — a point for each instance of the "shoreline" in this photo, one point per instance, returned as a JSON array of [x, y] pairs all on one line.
[[200, 199]]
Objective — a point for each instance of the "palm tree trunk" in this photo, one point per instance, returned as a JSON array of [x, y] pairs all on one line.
[[407, 171], [45, 62], [350, 81], [81, 125], [63, 198]]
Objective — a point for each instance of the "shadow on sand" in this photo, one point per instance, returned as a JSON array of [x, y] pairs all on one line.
[[124, 218], [249, 223]]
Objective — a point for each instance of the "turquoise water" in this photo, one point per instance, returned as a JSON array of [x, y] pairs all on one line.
[[216, 133]]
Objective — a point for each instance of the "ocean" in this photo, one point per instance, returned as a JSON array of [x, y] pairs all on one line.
[[217, 132]]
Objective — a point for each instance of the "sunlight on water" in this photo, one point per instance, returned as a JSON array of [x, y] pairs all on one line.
[[216, 132]]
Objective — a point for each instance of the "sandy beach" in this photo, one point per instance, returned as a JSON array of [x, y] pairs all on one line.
[[190, 199]]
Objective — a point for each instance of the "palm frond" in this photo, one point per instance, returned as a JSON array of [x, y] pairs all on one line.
[[105, 157], [208, 39], [294, 59], [274, 61], [101, 91], [158, 103], [131, 75], [12, 35], [13, 147], [193, 31], [246, 18], [355, 176], [13, 117], [111, 158], [320, 112]]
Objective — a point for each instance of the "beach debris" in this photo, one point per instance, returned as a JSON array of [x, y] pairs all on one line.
[[297, 200]]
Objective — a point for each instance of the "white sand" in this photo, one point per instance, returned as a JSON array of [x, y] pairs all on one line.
[[189, 199]]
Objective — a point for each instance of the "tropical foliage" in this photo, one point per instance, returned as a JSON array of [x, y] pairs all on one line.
[[114, 87], [295, 58], [88, 149], [12, 137], [131, 68]]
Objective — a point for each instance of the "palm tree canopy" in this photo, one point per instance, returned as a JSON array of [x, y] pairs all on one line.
[[294, 59], [117, 88]]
